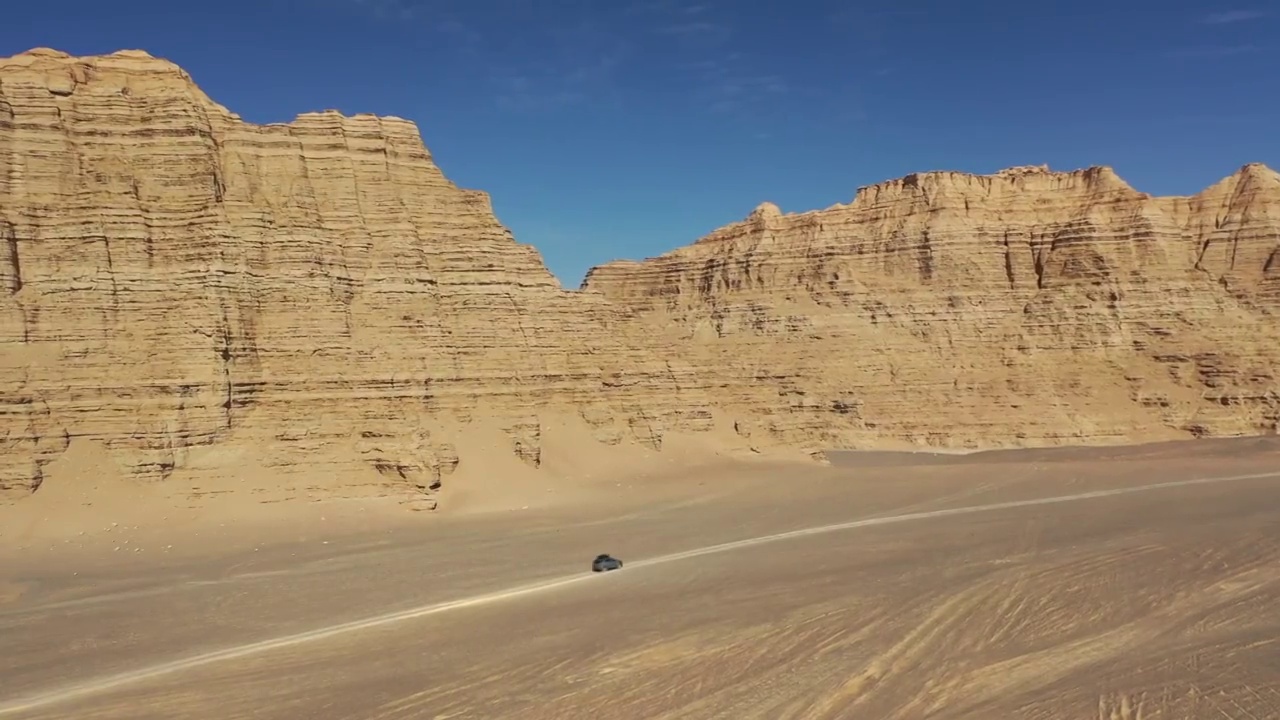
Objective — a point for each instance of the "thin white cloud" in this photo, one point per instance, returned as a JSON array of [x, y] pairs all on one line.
[[664, 7], [693, 28], [390, 9], [697, 35], [582, 60], [539, 66], [577, 64], [726, 85], [1212, 51], [1232, 16]]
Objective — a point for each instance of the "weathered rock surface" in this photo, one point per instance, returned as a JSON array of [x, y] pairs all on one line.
[[1029, 307], [317, 303], [315, 293]]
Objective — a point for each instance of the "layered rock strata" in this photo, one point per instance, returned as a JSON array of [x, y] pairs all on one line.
[[317, 299], [176, 277], [1026, 307]]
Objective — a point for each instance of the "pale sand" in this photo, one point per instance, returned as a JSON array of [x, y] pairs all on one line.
[[1156, 603], [225, 500]]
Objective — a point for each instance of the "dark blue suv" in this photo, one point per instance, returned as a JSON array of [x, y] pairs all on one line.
[[605, 562]]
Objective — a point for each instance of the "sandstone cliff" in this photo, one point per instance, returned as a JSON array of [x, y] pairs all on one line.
[[316, 301], [1028, 307], [316, 295]]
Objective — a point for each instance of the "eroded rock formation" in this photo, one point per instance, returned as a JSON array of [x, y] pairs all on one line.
[[317, 297], [1027, 307], [175, 277]]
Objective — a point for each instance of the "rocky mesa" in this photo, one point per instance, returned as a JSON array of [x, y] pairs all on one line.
[[309, 300], [193, 295], [1029, 307]]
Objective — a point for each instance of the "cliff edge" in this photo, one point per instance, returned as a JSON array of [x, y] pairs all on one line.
[[198, 297], [312, 300], [1028, 307]]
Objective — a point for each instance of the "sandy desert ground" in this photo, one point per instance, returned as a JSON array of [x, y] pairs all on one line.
[[1135, 584]]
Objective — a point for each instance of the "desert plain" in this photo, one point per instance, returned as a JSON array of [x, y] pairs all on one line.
[[1117, 583], [291, 426]]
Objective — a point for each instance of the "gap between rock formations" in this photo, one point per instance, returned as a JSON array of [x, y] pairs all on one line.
[[312, 309]]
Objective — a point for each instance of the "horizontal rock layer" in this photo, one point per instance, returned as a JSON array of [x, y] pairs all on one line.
[[1026, 307], [178, 281], [176, 277]]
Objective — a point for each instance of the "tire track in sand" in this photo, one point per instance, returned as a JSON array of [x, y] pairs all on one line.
[[102, 684]]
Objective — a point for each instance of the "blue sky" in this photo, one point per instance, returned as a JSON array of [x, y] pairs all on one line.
[[624, 128]]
